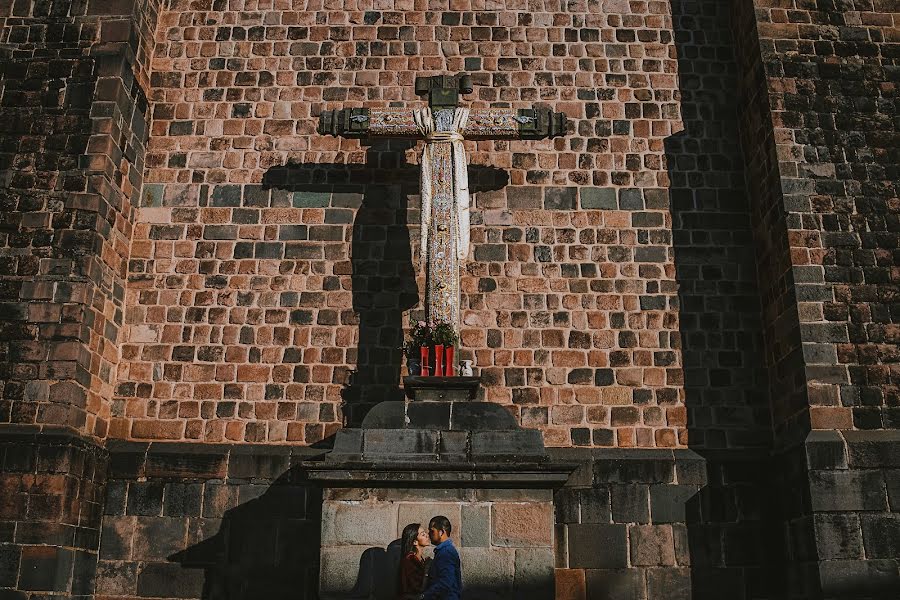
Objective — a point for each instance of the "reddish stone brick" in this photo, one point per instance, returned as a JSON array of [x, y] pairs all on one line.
[[570, 584]]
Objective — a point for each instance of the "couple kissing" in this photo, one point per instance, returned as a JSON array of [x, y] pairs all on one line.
[[429, 579]]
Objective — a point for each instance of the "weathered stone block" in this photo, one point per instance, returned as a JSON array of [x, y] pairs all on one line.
[[638, 468], [187, 465], [370, 523], [116, 578], [145, 499], [881, 534], [566, 506], [630, 503], [595, 505], [311, 199], [892, 479], [520, 444], [671, 583], [873, 449], [116, 537], [847, 490], [838, 536], [616, 584], [475, 526], [9, 564], [594, 198], [489, 570], [157, 538], [560, 198], [250, 465], [428, 415], [597, 547], [521, 524], [570, 584], [652, 545], [668, 502], [218, 498], [45, 568], [169, 580], [400, 443], [358, 569], [858, 578], [533, 577], [825, 450]]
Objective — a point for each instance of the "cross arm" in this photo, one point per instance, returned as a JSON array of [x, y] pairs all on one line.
[[369, 122], [483, 123], [513, 123]]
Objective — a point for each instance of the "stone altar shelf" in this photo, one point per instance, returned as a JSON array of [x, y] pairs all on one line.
[[439, 453]]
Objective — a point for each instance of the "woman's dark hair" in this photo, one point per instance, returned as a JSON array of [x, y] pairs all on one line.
[[408, 539]]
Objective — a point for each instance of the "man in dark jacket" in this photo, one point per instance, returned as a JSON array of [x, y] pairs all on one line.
[[445, 575]]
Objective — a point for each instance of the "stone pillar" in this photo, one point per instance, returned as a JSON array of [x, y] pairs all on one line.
[[72, 153], [815, 81], [50, 506]]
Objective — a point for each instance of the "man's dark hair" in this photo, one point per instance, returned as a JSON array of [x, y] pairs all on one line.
[[441, 523]]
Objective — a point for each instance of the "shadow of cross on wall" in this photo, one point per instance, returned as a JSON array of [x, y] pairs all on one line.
[[380, 198]]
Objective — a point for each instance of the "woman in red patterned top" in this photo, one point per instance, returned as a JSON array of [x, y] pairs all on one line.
[[413, 565]]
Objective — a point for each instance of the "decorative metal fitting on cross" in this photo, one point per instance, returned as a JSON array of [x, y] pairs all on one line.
[[443, 90]]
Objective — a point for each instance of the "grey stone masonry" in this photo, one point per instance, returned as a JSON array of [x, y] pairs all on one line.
[[504, 537], [855, 510], [622, 520]]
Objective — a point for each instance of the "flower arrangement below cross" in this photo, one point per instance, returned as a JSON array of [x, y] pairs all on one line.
[[442, 336]]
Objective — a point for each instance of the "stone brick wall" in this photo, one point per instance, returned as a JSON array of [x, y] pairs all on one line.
[[189, 521], [783, 353], [818, 125], [839, 505], [827, 77], [504, 538], [720, 318], [260, 262], [71, 158], [621, 524], [52, 501]]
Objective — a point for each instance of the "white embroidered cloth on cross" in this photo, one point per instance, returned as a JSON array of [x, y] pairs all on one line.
[[425, 123]]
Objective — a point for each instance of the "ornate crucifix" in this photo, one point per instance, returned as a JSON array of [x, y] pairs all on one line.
[[444, 180]]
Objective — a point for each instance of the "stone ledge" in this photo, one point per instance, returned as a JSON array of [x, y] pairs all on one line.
[[184, 461], [475, 475], [871, 449], [432, 446]]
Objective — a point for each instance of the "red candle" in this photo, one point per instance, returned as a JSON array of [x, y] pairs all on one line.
[[423, 350], [449, 371], [439, 360]]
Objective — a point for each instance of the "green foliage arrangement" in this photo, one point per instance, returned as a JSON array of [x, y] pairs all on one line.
[[443, 333], [426, 334]]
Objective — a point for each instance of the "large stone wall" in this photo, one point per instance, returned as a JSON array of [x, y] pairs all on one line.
[[820, 120], [53, 493], [71, 159], [208, 521], [707, 260], [715, 263], [269, 262], [819, 131], [621, 523]]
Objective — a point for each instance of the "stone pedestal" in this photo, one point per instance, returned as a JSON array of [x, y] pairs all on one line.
[[439, 453]]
